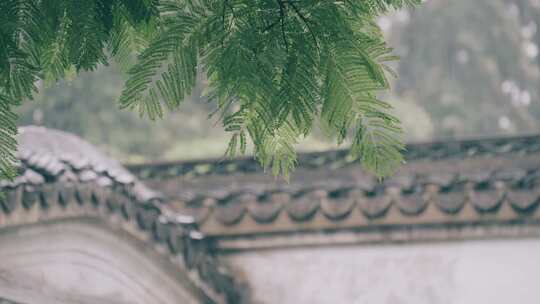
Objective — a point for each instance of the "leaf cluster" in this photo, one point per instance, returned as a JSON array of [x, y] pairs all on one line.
[[276, 68], [44, 41]]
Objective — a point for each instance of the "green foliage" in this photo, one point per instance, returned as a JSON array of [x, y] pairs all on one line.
[[275, 68], [275, 71], [47, 41]]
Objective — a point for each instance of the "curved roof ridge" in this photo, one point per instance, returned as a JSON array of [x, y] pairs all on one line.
[[62, 177], [422, 151]]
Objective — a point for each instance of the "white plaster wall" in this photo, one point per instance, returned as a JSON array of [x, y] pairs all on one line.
[[476, 272], [85, 262]]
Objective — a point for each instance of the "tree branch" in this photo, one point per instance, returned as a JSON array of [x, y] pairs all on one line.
[[282, 13], [305, 20]]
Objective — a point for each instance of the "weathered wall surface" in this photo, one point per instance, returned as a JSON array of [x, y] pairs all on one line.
[[495, 272], [84, 262]]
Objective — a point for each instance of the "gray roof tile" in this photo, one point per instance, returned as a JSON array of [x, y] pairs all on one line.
[[58, 168]]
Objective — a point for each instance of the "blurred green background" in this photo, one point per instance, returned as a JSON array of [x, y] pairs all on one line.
[[469, 68]]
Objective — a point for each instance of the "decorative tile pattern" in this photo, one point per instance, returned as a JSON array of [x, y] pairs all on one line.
[[460, 182], [409, 198]]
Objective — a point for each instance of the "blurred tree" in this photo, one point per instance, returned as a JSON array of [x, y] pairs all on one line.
[[473, 65], [529, 11], [86, 106]]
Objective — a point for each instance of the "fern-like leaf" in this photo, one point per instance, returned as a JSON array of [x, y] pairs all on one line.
[[275, 68], [166, 71]]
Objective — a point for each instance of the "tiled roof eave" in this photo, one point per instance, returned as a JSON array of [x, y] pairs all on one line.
[[486, 196], [146, 222], [494, 207], [61, 177], [448, 183], [425, 151]]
